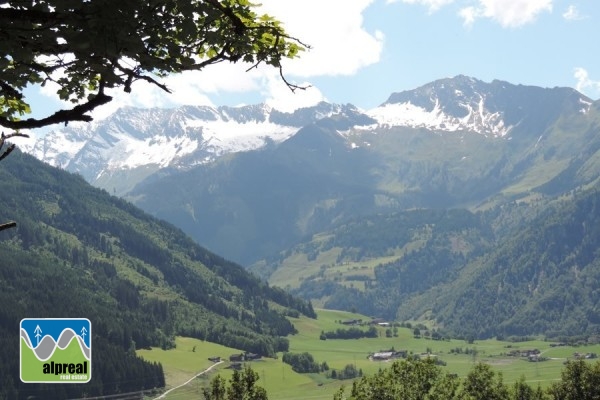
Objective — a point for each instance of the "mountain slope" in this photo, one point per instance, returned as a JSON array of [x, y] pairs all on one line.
[[409, 210], [377, 263], [133, 143], [516, 270], [78, 252], [257, 203], [250, 181], [467, 104], [249, 206], [542, 279]]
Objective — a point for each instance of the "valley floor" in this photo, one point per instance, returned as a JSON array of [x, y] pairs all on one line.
[[190, 357]]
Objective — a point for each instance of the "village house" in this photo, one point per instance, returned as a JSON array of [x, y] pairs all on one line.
[[247, 356], [388, 355], [586, 356], [251, 356], [236, 366], [524, 353]]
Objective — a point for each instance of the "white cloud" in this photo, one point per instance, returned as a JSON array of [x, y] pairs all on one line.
[[143, 95], [469, 15], [340, 45], [508, 13], [334, 29], [432, 5], [280, 97], [572, 14], [585, 84]]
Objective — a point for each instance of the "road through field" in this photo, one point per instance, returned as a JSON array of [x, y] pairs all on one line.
[[162, 396]]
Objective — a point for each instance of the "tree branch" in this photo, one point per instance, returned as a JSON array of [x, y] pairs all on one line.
[[8, 225], [32, 16], [10, 148], [77, 113], [11, 91], [133, 75], [291, 86]]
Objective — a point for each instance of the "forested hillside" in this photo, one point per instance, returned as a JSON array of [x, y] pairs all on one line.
[[524, 141], [514, 270], [387, 259], [543, 278], [79, 252]]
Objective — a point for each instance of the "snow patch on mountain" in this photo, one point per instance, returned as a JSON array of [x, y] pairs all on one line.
[[211, 138], [146, 140], [477, 119], [586, 105], [221, 137], [158, 150], [178, 138], [60, 147]]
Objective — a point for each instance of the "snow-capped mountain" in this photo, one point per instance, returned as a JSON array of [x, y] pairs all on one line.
[[466, 104], [147, 140], [151, 139], [249, 181]]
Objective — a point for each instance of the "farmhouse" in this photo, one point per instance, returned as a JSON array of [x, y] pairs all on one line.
[[587, 356], [388, 355], [382, 356], [236, 366], [247, 356], [524, 353], [251, 356]]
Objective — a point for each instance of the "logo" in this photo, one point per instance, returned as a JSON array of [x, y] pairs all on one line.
[[56, 350]]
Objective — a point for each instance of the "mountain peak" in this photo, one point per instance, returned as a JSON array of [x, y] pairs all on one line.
[[147, 140], [464, 103], [151, 139]]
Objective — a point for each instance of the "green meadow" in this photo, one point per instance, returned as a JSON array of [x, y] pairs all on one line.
[[191, 357]]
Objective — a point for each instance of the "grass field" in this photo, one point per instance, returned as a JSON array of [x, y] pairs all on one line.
[[191, 356]]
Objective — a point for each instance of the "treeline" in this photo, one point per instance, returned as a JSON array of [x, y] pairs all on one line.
[[242, 385], [350, 333], [422, 379], [220, 332], [348, 372], [304, 363]]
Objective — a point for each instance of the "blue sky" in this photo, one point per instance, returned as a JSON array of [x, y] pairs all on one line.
[[363, 50], [422, 45]]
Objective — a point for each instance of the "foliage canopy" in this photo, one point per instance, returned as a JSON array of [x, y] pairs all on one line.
[[241, 386], [423, 380], [86, 47]]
